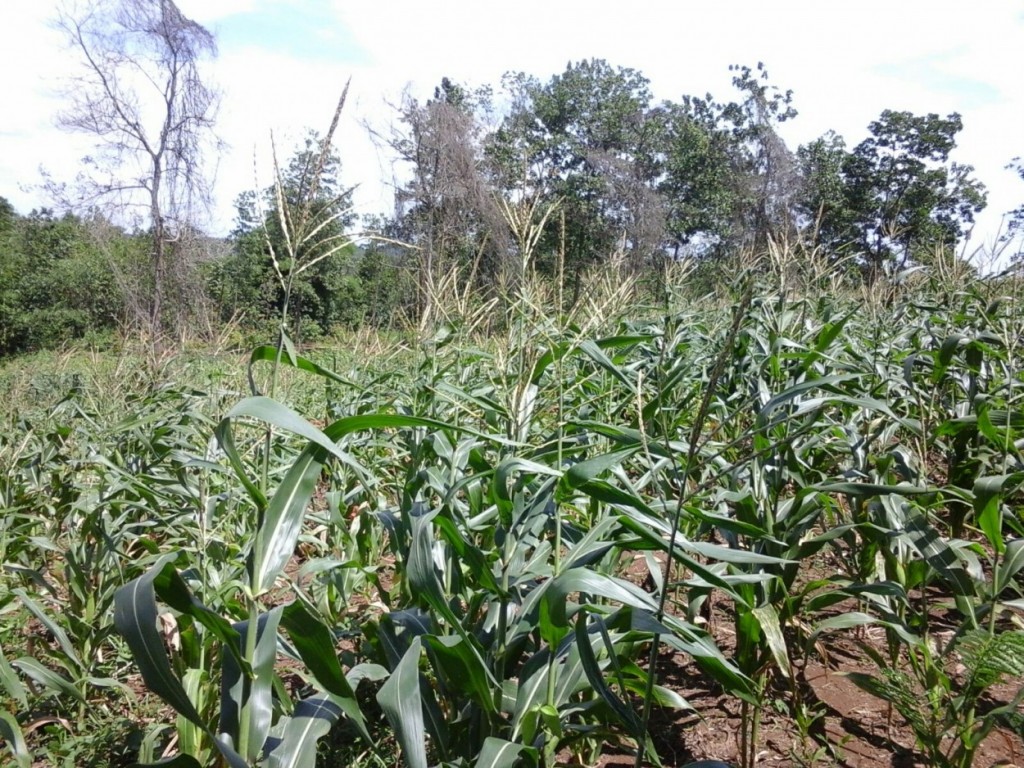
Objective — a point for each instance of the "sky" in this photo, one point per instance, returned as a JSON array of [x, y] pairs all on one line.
[[282, 65]]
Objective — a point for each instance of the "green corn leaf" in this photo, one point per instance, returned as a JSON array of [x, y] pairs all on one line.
[[870, 490], [273, 412], [196, 683], [463, 669], [532, 691], [948, 348], [604, 491], [591, 349], [503, 475], [12, 685], [630, 436], [705, 573], [248, 697], [859, 619], [226, 440], [47, 621], [696, 643], [400, 700], [315, 645], [11, 731], [485, 404], [49, 679], [374, 421], [595, 584], [268, 353], [471, 555], [135, 618], [560, 350], [424, 583], [167, 584], [498, 753], [796, 391], [768, 618], [311, 721], [533, 687], [595, 675], [1009, 566], [989, 493], [725, 554], [423, 580], [582, 472], [938, 554], [282, 523], [1001, 427], [593, 546]]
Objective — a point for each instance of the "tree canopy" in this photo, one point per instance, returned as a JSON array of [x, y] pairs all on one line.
[[560, 175]]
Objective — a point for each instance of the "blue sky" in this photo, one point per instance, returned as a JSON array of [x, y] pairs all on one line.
[[283, 63], [307, 31]]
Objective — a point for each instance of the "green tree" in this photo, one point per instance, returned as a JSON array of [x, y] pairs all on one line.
[[729, 180], [1015, 218], [823, 207], [766, 167], [588, 140], [699, 181], [447, 211], [56, 283], [903, 194]]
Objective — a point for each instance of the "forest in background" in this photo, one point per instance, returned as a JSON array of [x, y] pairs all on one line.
[[579, 171]]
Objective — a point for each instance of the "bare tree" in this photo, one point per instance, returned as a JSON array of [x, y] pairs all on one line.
[[138, 91], [447, 210]]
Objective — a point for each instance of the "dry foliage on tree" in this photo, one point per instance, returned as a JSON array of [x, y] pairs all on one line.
[[139, 91]]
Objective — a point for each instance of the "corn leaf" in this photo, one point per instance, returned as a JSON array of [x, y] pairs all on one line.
[[400, 700]]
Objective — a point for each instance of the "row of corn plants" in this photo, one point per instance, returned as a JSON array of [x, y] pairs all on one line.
[[439, 560], [445, 550]]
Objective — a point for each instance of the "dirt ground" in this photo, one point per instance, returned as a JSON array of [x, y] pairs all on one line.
[[852, 728], [848, 727]]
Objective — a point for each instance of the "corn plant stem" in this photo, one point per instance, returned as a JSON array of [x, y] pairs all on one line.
[[559, 370], [245, 715], [253, 604], [744, 738], [550, 699], [499, 652], [1010, 342], [739, 313], [269, 434]]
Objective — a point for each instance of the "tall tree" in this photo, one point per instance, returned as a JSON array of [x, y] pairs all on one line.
[[699, 182], [823, 208], [729, 178], [766, 167], [903, 191], [1015, 219], [447, 209], [56, 283], [587, 138], [140, 93]]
